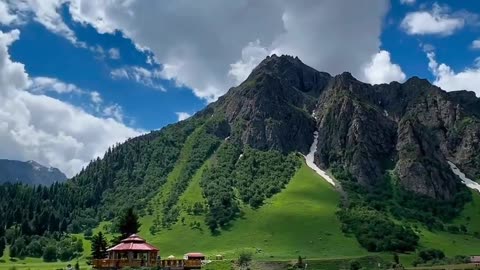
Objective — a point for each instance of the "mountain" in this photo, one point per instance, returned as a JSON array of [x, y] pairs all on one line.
[[413, 128], [235, 172], [29, 172]]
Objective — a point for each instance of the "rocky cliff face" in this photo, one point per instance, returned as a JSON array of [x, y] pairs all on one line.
[[272, 108], [412, 128]]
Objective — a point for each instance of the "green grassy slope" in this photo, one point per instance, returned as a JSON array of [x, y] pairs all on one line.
[[300, 220], [6, 263], [458, 244]]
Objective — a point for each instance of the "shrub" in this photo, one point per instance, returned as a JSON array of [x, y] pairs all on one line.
[[50, 254]]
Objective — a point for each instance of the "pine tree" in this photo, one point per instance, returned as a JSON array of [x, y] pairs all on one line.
[[99, 246], [128, 223]]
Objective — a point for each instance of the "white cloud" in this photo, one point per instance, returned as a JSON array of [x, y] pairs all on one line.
[[6, 16], [437, 21], [182, 115], [42, 85], [47, 130], [141, 75], [114, 111], [476, 44], [49, 14], [96, 97], [252, 55], [447, 79], [407, 2], [382, 70], [114, 53], [206, 53]]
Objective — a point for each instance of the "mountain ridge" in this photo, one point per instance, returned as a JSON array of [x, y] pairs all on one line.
[[29, 172]]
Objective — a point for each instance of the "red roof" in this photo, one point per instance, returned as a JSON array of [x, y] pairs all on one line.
[[194, 255], [134, 243]]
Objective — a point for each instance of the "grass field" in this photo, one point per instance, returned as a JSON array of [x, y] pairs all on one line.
[[300, 220], [37, 263]]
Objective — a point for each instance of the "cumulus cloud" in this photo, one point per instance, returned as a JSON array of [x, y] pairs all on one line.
[[182, 115], [114, 53], [437, 21], [449, 80], [252, 54], [6, 16], [210, 53], [141, 75], [49, 14], [37, 127], [382, 70]]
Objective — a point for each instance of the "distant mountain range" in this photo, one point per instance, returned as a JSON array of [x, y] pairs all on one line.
[[29, 172]]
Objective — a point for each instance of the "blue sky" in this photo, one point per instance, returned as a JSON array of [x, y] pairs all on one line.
[[122, 68], [47, 54]]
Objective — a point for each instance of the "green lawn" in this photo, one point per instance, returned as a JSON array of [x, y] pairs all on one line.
[[36, 263]]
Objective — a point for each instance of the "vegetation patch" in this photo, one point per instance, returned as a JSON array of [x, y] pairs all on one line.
[[371, 214]]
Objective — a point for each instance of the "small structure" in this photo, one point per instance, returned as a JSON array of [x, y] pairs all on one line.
[[475, 260], [133, 251], [193, 260], [218, 257]]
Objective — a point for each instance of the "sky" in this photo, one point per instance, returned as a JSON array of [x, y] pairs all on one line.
[[78, 76]]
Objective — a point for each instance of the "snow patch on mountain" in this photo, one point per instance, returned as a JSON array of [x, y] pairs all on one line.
[[468, 182], [309, 158]]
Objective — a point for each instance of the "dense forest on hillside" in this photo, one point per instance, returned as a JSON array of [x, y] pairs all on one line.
[[367, 213], [135, 170]]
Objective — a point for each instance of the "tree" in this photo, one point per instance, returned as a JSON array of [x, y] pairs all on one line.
[[300, 263], [396, 259], [99, 246], [355, 265], [50, 254], [244, 259], [79, 246], [18, 249], [128, 223], [2, 245], [35, 249]]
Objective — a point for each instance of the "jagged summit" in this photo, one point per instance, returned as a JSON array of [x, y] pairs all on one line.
[[360, 125], [292, 72]]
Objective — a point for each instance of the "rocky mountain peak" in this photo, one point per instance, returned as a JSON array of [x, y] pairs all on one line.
[[292, 72], [412, 129]]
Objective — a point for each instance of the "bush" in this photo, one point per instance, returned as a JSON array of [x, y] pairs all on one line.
[[355, 265], [35, 249], [431, 254], [50, 254], [244, 259], [376, 232]]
